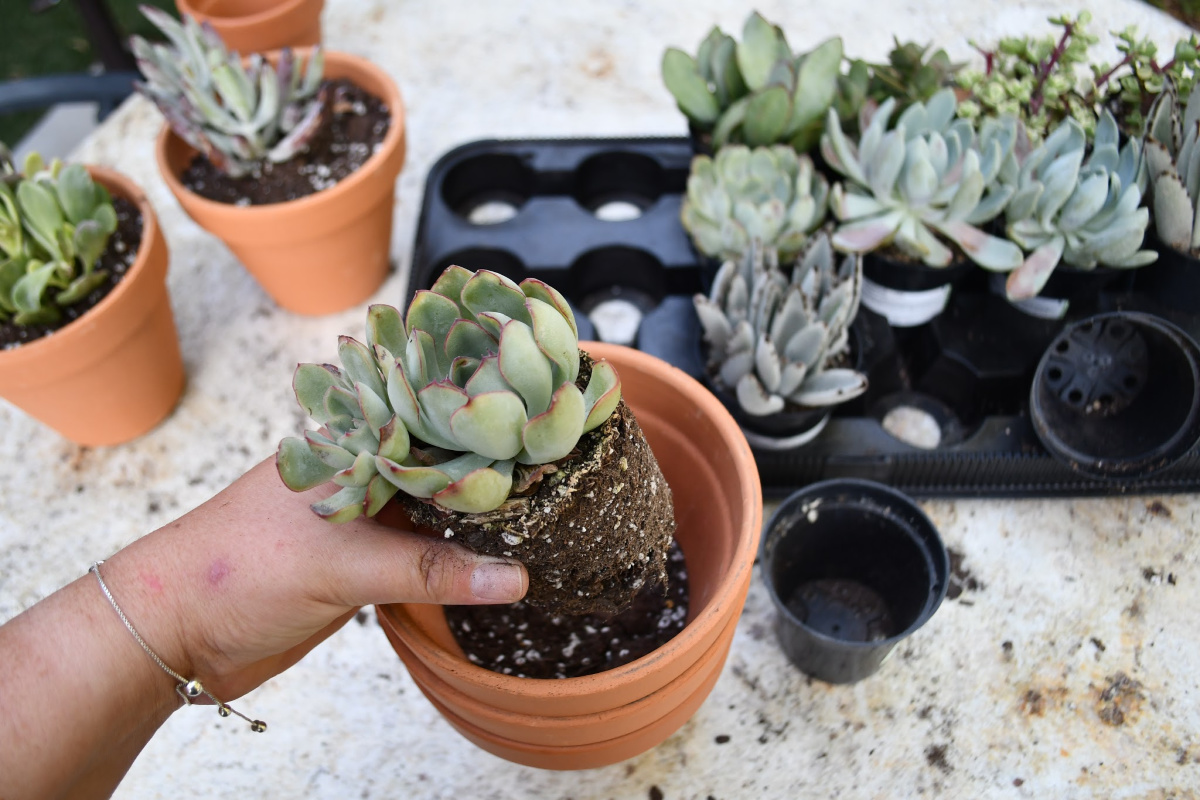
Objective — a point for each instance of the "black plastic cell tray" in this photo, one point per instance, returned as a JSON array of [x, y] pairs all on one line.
[[970, 369]]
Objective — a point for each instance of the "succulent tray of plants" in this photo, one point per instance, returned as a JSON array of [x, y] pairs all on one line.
[[891, 271]]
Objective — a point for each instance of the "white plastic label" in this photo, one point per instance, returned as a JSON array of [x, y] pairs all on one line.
[[904, 309]]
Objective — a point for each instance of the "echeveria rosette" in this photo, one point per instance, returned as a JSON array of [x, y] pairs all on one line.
[[238, 115], [772, 334], [485, 380], [928, 178], [768, 194], [1085, 213]]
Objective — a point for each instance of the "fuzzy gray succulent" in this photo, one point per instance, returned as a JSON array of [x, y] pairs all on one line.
[[1082, 211], [1173, 165], [768, 194], [756, 91], [473, 392], [238, 115], [928, 179], [772, 336], [55, 222]]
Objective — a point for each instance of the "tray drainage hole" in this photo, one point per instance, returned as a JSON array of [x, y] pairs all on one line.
[[492, 212], [1062, 346], [1054, 373], [617, 211], [1075, 396], [913, 426]]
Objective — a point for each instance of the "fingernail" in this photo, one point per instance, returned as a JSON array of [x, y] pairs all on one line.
[[497, 582]]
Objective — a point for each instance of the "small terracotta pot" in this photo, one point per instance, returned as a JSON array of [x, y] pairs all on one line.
[[322, 253], [718, 508], [255, 26], [115, 372]]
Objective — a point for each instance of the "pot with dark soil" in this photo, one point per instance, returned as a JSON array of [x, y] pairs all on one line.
[[597, 719], [853, 568], [87, 338], [255, 26], [291, 160], [778, 340]]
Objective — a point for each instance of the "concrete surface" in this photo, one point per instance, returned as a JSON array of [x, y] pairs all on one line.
[[1067, 667]]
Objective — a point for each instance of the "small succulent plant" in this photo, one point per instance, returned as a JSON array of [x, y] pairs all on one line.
[[768, 194], [756, 91], [1173, 164], [55, 222], [1082, 212], [773, 337], [1131, 86], [928, 178], [238, 116], [477, 383], [911, 74]]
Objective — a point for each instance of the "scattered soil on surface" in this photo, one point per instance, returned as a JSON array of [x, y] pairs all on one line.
[[593, 533], [520, 640], [358, 123], [1120, 699], [935, 754], [961, 578], [117, 258]]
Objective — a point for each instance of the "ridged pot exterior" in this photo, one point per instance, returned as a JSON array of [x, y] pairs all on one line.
[[115, 372], [718, 508], [322, 253], [255, 26]]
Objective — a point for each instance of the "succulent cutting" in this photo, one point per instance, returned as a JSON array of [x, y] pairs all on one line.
[[55, 222], [1085, 212], [1173, 165], [756, 91], [238, 115], [773, 337], [929, 178], [481, 372], [768, 194]]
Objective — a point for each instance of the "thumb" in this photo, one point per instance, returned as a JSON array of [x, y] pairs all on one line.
[[376, 564]]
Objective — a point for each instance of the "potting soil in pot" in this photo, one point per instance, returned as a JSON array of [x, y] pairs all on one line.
[[520, 640], [358, 123], [117, 258]]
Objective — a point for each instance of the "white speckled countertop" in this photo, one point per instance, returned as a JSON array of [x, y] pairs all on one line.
[[1002, 694]]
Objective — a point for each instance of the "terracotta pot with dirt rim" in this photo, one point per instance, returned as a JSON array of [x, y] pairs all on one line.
[[608, 717], [319, 254], [115, 372], [255, 26]]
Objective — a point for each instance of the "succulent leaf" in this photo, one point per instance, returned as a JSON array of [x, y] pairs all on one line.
[[299, 467]]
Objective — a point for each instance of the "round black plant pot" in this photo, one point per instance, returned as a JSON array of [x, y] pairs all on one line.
[[1173, 280], [908, 293], [853, 567], [793, 427], [1117, 396]]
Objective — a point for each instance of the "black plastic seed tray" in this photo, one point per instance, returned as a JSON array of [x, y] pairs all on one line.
[[599, 220]]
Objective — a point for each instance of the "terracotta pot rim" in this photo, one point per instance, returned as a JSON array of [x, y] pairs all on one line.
[[723, 600], [119, 185], [395, 138], [247, 20]]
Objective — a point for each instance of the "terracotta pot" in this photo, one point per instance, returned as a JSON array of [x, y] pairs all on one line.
[[255, 26], [115, 372], [322, 253], [718, 507]]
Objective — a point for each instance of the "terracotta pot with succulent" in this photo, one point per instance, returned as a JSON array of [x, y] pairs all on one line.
[[87, 338], [756, 91], [255, 26], [492, 427], [914, 198], [291, 160]]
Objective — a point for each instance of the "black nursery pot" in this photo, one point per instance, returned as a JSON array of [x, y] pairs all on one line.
[[853, 567], [780, 431], [909, 293], [1173, 280], [1117, 395]]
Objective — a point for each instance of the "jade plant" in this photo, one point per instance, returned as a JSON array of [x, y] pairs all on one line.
[[928, 181], [1173, 163], [756, 91], [1084, 212], [768, 194], [237, 115], [1132, 85], [774, 337], [55, 222], [473, 391]]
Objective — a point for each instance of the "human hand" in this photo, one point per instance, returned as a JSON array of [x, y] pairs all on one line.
[[244, 586]]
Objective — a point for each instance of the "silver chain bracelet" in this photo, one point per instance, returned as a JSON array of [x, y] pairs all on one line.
[[187, 689]]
